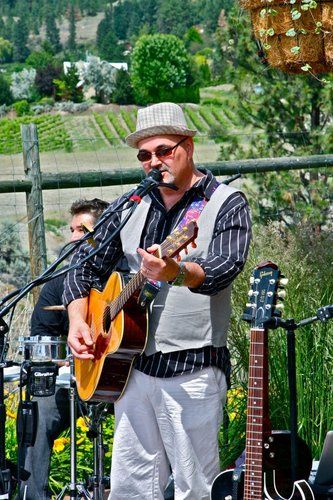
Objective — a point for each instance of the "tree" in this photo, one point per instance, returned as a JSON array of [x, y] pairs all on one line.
[[6, 96], [90, 7], [2, 27], [122, 16], [210, 12], [44, 80], [123, 91], [106, 40], [52, 31], [6, 50], [8, 30], [20, 40], [67, 86], [104, 26], [71, 44], [101, 76], [159, 63], [174, 16]]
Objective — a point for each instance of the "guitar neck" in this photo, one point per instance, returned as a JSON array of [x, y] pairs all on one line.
[[257, 413], [127, 292]]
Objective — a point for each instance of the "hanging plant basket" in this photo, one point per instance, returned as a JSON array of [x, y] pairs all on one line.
[[296, 35]]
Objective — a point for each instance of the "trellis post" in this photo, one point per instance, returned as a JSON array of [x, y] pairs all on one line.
[[34, 202]]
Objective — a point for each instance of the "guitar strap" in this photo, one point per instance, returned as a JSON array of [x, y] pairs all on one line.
[[194, 209], [152, 287]]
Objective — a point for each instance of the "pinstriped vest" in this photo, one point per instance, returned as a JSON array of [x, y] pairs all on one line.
[[178, 318]]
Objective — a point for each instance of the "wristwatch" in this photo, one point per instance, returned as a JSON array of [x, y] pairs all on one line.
[[180, 278]]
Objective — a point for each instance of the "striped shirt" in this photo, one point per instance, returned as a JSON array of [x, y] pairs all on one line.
[[226, 257]]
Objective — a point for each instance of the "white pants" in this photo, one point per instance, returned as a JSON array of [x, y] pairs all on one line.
[[163, 422]]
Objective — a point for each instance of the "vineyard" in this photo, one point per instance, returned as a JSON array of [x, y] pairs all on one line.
[[96, 130]]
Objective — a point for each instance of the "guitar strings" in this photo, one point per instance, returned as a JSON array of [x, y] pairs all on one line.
[[115, 306]]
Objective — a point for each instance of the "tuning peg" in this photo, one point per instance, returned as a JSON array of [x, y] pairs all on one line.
[[193, 244], [251, 280], [250, 293], [178, 258], [279, 307], [250, 305], [283, 281], [282, 294], [186, 251]]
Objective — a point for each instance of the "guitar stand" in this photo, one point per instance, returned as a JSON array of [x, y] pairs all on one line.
[[76, 490], [323, 314]]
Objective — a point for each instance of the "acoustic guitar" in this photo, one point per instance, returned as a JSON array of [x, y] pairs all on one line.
[[267, 470], [119, 327]]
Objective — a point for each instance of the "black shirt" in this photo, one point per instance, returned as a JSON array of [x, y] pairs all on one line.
[[53, 323]]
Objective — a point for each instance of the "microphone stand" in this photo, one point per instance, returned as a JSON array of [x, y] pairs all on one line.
[[323, 314]]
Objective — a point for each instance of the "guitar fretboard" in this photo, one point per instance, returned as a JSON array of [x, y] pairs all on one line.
[[253, 480], [178, 240]]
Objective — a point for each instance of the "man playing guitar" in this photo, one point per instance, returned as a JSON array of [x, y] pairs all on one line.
[[171, 410]]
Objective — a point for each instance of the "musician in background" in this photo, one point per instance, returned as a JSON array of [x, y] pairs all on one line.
[[171, 410], [53, 411]]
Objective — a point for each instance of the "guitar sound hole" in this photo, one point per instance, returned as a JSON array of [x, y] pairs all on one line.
[[106, 319]]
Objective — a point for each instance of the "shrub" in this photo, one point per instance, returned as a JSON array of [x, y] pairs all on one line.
[[6, 50], [6, 96], [22, 107], [22, 85], [14, 260], [40, 59]]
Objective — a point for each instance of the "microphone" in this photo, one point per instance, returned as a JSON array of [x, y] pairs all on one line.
[[147, 184]]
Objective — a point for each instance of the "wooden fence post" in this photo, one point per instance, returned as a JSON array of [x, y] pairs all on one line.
[[34, 201]]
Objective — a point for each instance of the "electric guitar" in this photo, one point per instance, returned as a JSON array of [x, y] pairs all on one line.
[[119, 327], [267, 471]]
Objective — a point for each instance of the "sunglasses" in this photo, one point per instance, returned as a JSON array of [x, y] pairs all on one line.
[[164, 152]]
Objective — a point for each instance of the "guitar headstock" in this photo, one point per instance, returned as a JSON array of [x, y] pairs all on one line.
[[179, 240], [266, 284]]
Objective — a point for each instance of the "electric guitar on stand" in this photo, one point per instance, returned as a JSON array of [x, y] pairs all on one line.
[[119, 327], [267, 472]]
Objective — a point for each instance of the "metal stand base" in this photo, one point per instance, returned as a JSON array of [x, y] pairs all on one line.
[[76, 490], [98, 481], [79, 491]]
